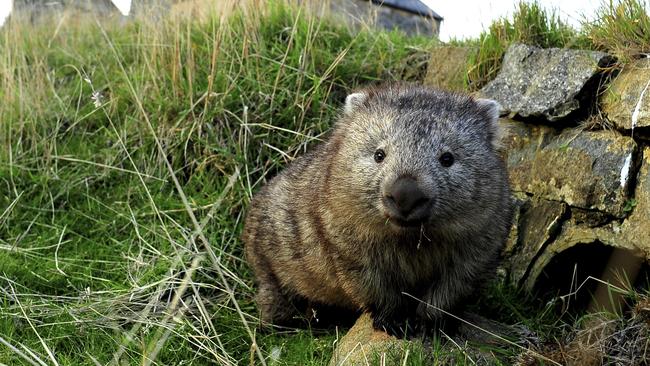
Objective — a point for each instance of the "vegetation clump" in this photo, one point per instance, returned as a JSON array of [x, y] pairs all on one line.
[[621, 28], [531, 24]]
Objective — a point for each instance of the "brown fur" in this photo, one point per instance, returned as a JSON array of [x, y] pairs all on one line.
[[316, 233]]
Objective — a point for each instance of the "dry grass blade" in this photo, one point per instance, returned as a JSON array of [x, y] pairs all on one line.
[[34, 362], [49, 352]]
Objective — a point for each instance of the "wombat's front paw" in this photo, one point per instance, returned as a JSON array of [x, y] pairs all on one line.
[[400, 327], [437, 326]]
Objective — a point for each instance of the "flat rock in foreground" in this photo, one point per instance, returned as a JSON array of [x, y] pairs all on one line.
[[363, 345], [549, 83]]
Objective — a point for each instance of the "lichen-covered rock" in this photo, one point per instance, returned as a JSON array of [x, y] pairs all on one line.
[[636, 228], [585, 169], [633, 233], [627, 100], [549, 83], [520, 202], [538, 223]]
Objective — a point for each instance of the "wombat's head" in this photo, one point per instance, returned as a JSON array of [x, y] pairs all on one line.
[[419, 156]]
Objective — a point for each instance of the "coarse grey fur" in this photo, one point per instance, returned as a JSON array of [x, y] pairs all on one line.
[[324, 232]]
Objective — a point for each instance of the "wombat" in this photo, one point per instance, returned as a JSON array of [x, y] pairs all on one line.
[[407, 196]]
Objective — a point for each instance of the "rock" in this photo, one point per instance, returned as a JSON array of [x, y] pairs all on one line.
[[362, 344], [624, 94], [632, 234], [636, 228], [538, 224], [520, 202], [549, 83], [384, 16], [447, 67], [584, 169]]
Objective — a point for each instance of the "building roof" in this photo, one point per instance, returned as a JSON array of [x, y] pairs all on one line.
[[411, 6]]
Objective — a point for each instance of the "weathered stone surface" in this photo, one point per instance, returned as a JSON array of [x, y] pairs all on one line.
[[539, 222], [585, 169], [626, 95], [363, 343], [364, 13], [549, 83], [447, 67], [633, 233], [636, 228], [520, 202]]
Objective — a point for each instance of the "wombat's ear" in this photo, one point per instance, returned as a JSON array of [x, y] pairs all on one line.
[[491, 109], [353, 101]]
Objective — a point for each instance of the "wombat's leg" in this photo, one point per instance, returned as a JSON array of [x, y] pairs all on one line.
[[397, 320], [275, 307], [447, 294]]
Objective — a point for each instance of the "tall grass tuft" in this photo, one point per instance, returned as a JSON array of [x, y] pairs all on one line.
[[621, 27], [531, 24]]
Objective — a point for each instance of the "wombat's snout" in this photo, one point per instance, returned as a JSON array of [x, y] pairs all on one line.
[[406, 202]]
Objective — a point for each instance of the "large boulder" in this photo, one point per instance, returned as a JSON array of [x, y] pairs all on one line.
[[627, 100], [549, 83], [584, 169]]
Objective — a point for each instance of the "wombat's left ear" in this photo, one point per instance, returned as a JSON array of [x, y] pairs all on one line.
[[353, 101], [491, 109]]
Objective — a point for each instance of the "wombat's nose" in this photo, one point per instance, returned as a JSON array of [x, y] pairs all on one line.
[[405, 198]]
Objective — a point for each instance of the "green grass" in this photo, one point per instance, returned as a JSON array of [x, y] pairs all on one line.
[[130, 153], [99, 253], [621, 28]]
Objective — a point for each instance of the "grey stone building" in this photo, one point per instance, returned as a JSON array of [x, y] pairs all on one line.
[[411, 16]]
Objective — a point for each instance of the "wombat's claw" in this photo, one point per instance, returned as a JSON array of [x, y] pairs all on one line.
[[400, 328]]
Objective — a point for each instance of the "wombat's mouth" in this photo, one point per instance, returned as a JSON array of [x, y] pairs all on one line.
[[405, 224]]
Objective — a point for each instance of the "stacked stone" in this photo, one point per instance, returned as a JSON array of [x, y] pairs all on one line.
[[577, 153]]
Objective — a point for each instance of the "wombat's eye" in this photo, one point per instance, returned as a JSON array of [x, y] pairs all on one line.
[[446, 159], [379, 155]]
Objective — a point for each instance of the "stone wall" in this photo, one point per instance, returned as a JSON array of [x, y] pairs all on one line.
[[578, 158]]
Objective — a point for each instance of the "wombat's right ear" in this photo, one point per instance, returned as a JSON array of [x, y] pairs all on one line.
[[491, 109], [353, 101]]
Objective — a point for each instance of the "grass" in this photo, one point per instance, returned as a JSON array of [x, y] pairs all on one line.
[[621, 28], [130, 152]]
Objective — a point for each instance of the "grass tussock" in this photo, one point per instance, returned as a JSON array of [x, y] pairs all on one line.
[[129, 153], [602, 338], [622, 28]]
